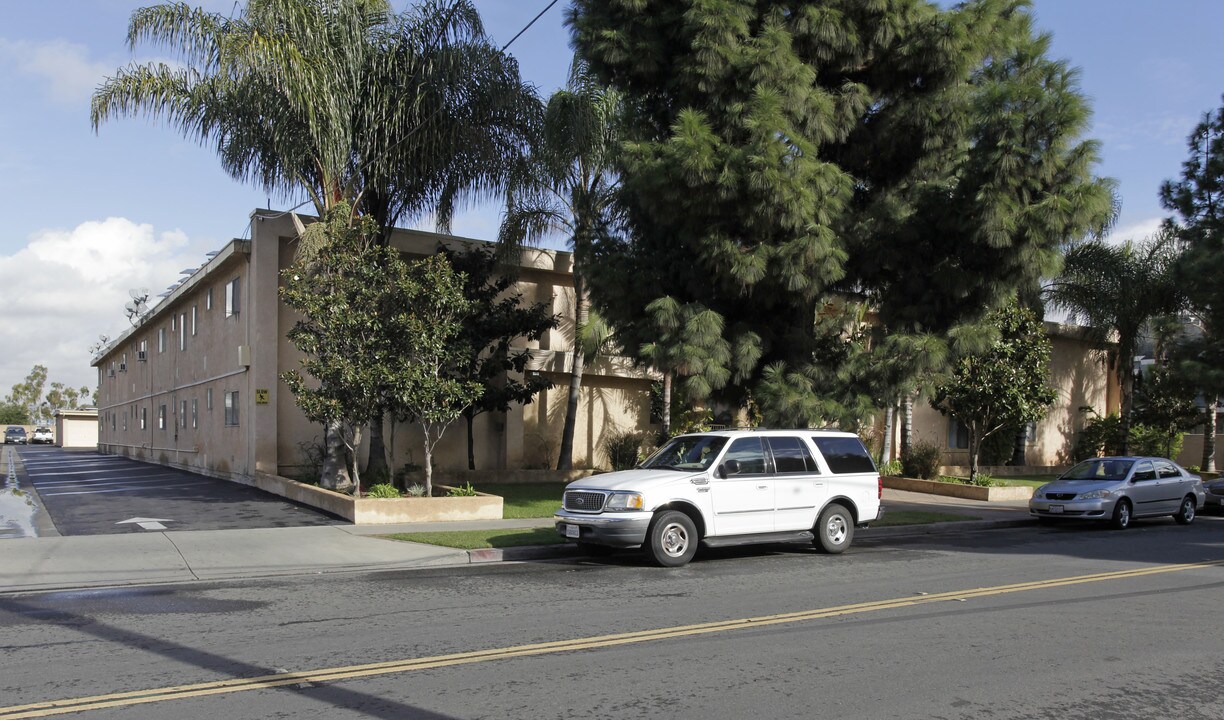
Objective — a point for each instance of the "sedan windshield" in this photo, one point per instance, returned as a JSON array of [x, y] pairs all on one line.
[[687, 452], [1099, 469]]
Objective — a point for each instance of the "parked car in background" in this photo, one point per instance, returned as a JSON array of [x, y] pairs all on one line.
[[1118, 490], [42, 435], [1214, 491], [15, 435], [729, 487]]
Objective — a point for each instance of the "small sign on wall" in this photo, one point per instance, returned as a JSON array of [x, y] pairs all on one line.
[[261, 396]]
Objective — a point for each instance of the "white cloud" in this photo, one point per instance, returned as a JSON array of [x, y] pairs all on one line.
[[66, 287], [69, 74], [1137, 231]]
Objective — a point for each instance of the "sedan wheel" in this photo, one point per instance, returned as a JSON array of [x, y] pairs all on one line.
[[1121, 515], [1185, 515]]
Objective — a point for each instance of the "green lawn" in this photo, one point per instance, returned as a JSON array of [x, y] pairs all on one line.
[[526, 500]]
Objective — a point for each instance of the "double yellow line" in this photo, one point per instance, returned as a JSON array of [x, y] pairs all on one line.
[[219, 687]]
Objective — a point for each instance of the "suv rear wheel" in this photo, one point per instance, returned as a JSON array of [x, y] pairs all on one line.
[[834, 530]]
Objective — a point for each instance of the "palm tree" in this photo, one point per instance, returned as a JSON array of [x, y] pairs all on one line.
[[398, 116], [1116, 290], [569, 186]]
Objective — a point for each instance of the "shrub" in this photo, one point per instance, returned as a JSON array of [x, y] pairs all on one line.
[[984, 480], [922, 460], [1100, 437], [464, 490], [1147, 440], [415, 490], [383, 490], [1194, 469], [891, 468], [623, 449]]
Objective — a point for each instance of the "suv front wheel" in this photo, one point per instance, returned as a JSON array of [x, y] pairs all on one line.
[[672, 539]]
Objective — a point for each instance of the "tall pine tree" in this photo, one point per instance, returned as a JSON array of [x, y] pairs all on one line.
[[779, 155]]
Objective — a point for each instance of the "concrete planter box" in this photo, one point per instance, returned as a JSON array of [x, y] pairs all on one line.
[[383, 511], [967, 492], [491, 477]]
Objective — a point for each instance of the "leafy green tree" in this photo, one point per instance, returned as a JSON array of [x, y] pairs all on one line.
[[347, 296], [1164, 403], [497, 317], [688, 348], [1116, 290], [28, 394], [925, 162], [430, 379], [1002, 387], [13, 414], [395, 115], [569, 186], [1198, 200]]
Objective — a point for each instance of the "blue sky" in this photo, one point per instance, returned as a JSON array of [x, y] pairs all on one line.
[[88, 216]]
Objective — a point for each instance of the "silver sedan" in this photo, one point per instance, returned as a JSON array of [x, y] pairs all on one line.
[[1215, 493], [1119, 489]]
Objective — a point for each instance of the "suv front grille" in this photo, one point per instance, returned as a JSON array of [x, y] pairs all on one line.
[[583, 501]]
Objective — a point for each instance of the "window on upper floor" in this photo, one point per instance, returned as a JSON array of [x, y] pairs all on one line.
[[233, 299]]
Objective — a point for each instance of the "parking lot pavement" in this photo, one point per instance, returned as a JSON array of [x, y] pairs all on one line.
[[87, 493]]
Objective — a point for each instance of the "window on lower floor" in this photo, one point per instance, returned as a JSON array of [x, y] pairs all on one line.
[[182, 413], [144, 418], [195, 413], [161, 417], [958, 435], [231, 408]]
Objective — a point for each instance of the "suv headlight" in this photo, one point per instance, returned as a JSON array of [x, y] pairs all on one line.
[[1095, 495], [624, 501]]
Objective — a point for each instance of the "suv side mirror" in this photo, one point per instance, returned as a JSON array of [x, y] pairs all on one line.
[[731, 467]]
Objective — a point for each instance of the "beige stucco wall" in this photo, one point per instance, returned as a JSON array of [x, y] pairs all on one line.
[[1079, 376], [208, 361], [270, 435]]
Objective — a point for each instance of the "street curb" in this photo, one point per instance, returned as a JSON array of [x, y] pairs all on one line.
[[551, 552]]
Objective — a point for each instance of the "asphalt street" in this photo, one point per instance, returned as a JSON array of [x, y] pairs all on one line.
[[1068, 623], [87, 493]]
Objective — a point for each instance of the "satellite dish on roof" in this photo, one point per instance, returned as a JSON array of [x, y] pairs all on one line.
[[138, 306]]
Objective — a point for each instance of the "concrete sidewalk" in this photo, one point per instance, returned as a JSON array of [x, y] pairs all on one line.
[[65, 563]]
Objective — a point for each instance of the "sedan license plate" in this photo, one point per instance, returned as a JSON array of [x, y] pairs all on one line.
[[571, 531], [1056, 509]]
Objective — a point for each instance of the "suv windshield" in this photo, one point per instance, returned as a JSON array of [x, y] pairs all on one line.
[[687, 452], [1099, 469]]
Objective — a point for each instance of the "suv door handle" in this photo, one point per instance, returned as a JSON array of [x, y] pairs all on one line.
[[762, 487]]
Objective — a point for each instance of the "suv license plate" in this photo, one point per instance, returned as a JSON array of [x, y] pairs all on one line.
[[1056, 509], [571, 531]]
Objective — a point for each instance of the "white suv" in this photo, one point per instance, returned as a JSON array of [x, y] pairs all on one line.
[[729, 487]]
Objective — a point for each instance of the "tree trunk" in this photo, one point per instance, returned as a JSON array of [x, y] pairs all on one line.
[[1018, 448], [376, 466], [335, 475], [975, 444], [907, 424], [1209, 434], [428, 462], [1127, 376], [667, 393], [470, 442], [890, 414], [565, 458]]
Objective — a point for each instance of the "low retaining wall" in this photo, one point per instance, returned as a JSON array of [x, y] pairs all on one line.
[[1001, 471], [383, 511], [968, 492], [499, 477]]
